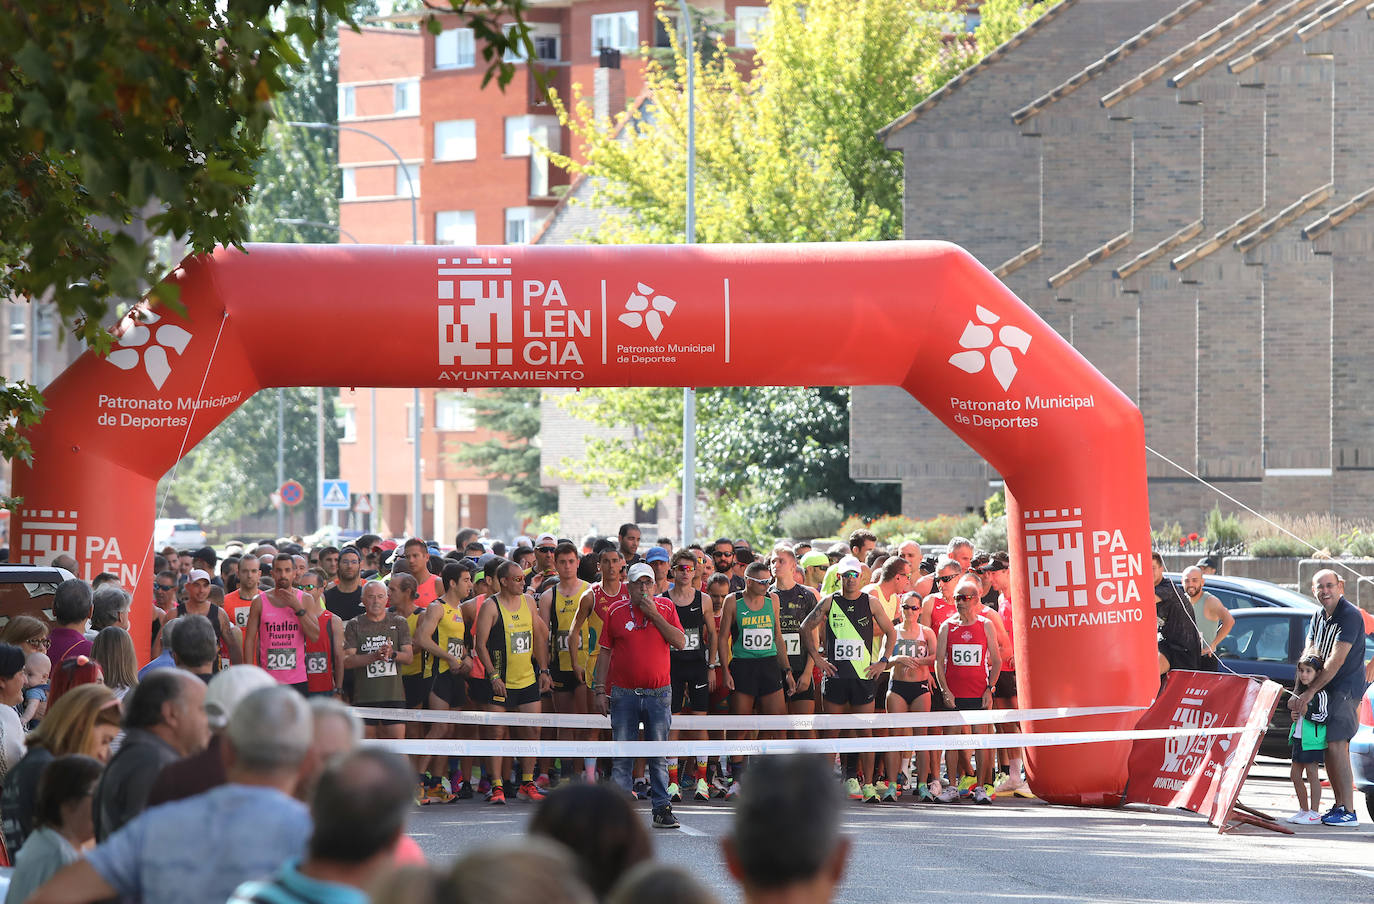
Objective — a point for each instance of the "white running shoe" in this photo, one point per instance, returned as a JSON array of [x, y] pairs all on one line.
[[1306, 818], [949, 795], [1011, 786]]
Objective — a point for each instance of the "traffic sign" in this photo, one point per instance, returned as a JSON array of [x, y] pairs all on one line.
[[363, 506], [292, 493], [334, 494]]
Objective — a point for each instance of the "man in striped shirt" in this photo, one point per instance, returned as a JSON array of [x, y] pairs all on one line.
[[1336, 633]]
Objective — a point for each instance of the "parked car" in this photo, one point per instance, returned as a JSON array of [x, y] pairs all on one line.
[[1248, 593], [1362, 751], [182, 533], [28, 590], [1266, 642]]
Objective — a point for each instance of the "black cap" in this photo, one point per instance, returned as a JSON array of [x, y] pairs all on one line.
[[1212, 562]]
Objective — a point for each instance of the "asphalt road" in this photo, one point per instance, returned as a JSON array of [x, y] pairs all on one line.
[[1016, 850]]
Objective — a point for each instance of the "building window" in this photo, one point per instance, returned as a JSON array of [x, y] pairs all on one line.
[[617, 30], [45, 322], [348, 102], [455, 227], [455, 139], [407, 98], [454, 49], [19, 320], [452, 412], [661, 39], [350, 183], [346, 417], [546, 39], [750, 22], [517, 136], [520, 223], [403, 186], [410, 422]]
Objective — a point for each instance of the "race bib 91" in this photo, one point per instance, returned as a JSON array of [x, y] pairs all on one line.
[[793, 644], [849, 650], [521, 642], [757, 639], [966, 654]]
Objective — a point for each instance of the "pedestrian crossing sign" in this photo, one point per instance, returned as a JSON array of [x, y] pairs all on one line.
[[334, 494]]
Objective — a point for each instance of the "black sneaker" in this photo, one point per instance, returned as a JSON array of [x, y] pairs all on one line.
[[664, 818], [464, 791], [641, 790]]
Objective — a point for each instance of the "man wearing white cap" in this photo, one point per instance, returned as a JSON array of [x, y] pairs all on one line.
[[227, 636], [633, 680]]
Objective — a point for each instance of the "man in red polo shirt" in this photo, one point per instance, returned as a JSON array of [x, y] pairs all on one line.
[[635, 637]]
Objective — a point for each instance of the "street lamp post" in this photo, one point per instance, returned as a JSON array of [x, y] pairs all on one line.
[[689, 395], [416, 509]]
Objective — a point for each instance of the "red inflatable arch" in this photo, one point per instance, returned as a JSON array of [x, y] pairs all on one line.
[[921, 315]]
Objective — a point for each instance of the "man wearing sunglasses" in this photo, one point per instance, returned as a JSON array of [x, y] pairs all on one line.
[[723, 558], [936, 609], [850, 622], [967, 663], [794, 602]]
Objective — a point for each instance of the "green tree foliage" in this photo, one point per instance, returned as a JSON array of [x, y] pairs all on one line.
[[513, 455], [757, 450], [233, 471], [998, 20], [126, 125]]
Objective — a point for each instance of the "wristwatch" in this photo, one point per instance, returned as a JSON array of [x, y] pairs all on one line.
[[544, 672], [299, 612]]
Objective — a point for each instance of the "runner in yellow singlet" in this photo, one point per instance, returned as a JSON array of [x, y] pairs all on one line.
[[442, 636], [558, 607]]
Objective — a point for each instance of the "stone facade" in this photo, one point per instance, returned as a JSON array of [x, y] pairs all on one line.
[[1180, 190]]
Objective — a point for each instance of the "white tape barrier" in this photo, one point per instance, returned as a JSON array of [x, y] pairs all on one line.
[[749, 723], [683, 748]]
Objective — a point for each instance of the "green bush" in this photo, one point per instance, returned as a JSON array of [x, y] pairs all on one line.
[[1359, 543], [1168, 535], [807, 518], [943, 528], [851, 524], [992, 536], [887, 528], [1223, 531], [1274, 547], [995, 505]]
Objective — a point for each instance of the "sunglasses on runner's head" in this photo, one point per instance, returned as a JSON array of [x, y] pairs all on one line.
[[761, 580], [946, 578], [686, 566], [966, 596], [849, 574]]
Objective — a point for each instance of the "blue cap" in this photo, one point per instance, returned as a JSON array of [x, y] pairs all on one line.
[[656, 553]]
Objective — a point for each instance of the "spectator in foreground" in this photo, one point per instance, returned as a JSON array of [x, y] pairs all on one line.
[[82, 723], [204, 847], [63, 824], [202, 771], [516, 872], [660, 883], [165, 722], [71, 610], [11, 695], [784, 844], [359, 810], [164, 659], [600, 827]]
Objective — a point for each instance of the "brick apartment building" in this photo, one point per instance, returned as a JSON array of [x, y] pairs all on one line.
[[467, 151], [1180, 190]]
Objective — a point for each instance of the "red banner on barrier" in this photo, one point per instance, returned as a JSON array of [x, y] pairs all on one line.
[[1202, 774]]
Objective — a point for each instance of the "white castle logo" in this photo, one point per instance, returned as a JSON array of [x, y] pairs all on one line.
[[979, 336], [133, 345], [641, 311]]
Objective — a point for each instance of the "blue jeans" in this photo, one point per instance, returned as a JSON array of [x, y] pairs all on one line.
[[629, 707]]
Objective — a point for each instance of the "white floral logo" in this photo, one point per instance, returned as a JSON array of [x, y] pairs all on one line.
[[979, 336], [640, 310], [134, 346]]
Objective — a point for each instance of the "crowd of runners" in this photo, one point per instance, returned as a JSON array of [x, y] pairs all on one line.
[[848, 628]]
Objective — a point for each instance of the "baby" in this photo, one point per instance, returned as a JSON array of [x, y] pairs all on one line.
[[36, 669]]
